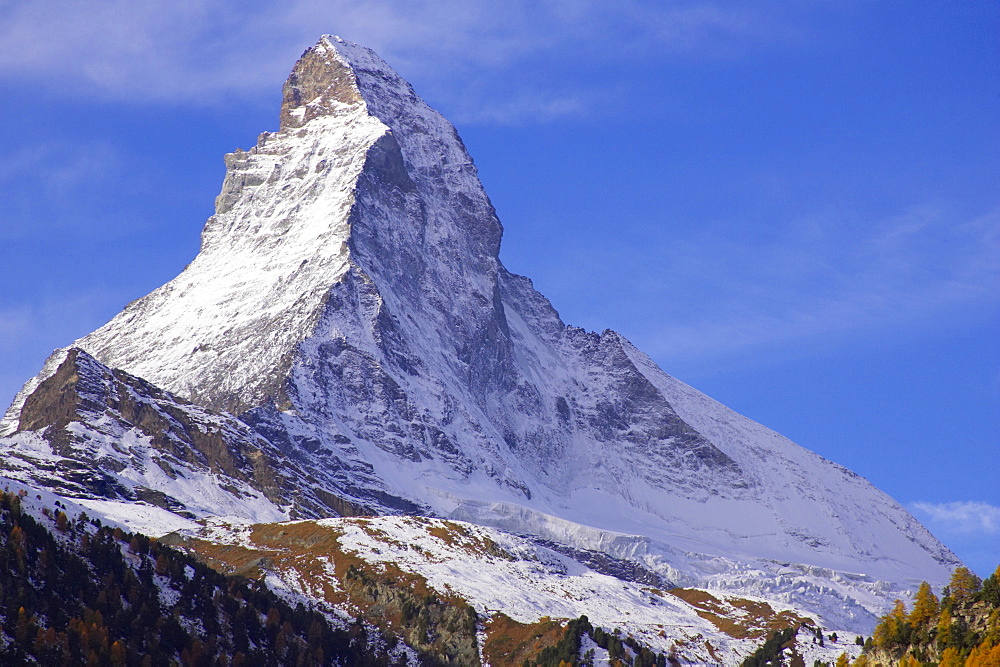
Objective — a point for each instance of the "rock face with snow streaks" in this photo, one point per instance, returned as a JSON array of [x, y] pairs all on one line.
[[348, 304]]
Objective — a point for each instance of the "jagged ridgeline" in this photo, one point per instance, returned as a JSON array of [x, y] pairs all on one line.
[[347, 343]]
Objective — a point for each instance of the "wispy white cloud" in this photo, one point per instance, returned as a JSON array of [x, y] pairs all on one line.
[[195, 51], [60, 185], [967, 517], [536, 108], [818, 281], [135, 51]]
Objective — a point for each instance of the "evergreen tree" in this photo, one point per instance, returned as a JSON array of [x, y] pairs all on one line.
[[79, 600], [944, 634], [990, 593], [893, 629], [925, 608], [963, 586], [962, 630]]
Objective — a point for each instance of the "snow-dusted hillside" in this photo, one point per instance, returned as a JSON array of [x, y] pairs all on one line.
[[348, 304], [499, 573]]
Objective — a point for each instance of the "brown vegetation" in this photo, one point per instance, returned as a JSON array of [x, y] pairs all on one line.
[[442, 627], [509, 642], [740, 618]]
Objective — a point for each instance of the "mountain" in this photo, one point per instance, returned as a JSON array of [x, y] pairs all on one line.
[[348, 342]]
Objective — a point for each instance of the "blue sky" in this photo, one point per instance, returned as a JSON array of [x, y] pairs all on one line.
[[792, 206]]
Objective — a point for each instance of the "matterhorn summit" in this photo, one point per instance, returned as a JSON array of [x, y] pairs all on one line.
[[348, 330]]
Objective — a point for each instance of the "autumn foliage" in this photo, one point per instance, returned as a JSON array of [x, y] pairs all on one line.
[[962, 629]]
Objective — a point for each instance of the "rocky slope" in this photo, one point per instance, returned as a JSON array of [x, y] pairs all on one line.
[[350, 331], [74, 591], [93, 433], [409, 573]]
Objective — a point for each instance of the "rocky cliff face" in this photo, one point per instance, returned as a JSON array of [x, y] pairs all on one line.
[[349, 306]]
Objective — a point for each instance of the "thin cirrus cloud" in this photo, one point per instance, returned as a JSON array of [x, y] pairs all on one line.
[[61, 185], [815, 281], [197, 51], [964, 517], [131, 51]]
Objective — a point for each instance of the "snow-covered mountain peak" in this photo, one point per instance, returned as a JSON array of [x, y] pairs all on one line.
[[348, 304]]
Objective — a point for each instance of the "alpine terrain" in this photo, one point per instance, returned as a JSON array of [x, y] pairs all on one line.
[[347, 394]]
